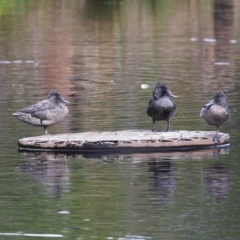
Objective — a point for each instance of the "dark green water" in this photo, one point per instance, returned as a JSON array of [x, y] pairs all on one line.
[[100, 55]]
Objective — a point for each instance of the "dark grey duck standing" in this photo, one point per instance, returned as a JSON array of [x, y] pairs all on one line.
[[46, 112], [161, 107], [216, 112]]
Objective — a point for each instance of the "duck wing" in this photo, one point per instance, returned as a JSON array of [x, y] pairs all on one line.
[[40, 110]]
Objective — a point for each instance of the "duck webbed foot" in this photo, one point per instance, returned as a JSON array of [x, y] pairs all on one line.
[[157, 130], [165, 130], [154, 127], [169, 130], [216, 137], [45, 130]]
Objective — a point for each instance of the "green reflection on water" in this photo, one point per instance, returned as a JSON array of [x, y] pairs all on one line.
[[98, 55]]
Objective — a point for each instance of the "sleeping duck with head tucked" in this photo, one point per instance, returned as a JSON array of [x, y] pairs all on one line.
[[216, 112], [45, 113]]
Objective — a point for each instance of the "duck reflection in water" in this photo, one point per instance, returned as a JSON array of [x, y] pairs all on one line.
[[216, 179], [163, 179], [49, 169], [161, 107], [46, 112], [216, 112]]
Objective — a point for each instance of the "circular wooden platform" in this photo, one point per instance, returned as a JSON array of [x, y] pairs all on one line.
[[127, 140]]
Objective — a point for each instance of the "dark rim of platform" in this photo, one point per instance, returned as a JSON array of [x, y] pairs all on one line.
[[122, 150]]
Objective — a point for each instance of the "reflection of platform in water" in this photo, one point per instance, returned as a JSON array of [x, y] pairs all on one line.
[[194, 154], [134, 156], [128, 140]]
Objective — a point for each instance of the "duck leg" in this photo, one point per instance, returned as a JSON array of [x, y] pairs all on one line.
[[168, 126], [45, 130], [154, 127], [216, 137]]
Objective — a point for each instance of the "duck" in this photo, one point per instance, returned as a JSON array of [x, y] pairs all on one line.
[[160, 106], [216, 112], [45, 113]]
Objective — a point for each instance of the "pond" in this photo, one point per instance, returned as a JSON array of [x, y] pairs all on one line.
[[105, 57]]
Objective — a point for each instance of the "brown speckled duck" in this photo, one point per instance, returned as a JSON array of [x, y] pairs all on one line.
[[46, 112], [216, 112], [161, 107]]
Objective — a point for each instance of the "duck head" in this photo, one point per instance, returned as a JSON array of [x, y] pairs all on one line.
[[219, 98], [55, 96], [162, 90]]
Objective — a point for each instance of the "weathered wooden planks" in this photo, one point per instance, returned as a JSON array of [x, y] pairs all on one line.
[[129, 140]]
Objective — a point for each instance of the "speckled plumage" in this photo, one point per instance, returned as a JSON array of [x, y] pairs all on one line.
[[216, 112], [161, 107], [46, 112]]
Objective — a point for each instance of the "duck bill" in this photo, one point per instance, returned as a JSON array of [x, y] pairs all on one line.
[[64, 100], [210, 103], [170, 94]]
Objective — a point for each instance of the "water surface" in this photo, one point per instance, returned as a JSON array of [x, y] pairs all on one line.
[[105, 57]]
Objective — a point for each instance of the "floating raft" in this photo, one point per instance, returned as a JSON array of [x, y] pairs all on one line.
[[127, 140]]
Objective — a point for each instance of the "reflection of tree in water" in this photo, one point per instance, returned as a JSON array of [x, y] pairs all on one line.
[[223, 21], [163, 179], [223, 31], [50, 169], [216, 179], [100, 9]]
